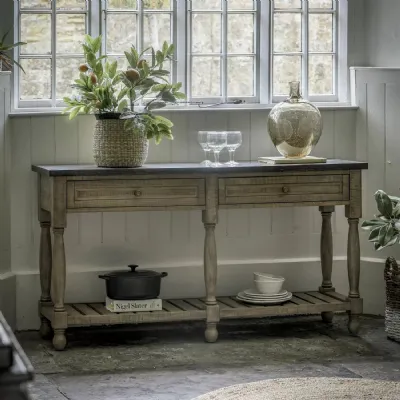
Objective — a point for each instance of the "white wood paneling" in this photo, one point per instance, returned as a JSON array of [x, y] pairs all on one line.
[[5, 220], [180, 145], [377, 93], [151, 237], [21, 183], [392, 142], [107, 241]]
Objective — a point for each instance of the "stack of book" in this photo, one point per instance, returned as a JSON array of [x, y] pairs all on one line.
[[119, 306]]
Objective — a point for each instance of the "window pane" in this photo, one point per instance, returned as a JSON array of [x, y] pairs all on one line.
[[241, 4], [321, 32], [122, 62], [156, 29], [36, 82], [287, 32], [71, 4], [130, 4], [206, 4], [157, 4], [320, 74], [206, 76], [320, 4], [206, 33], [36, 31], [121, 32], [240, 33], [67, 72], [166, 65], [35, 3], [286, 69], [71, 29], [240, 76], [287, 3]]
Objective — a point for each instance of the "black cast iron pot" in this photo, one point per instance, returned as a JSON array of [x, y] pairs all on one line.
[[133, 285]]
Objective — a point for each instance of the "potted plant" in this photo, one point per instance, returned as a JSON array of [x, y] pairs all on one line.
[[6, 60], [384, 232], [124, 101]]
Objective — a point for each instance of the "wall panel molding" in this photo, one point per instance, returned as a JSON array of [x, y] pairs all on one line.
[[377, 93], [110, 241]]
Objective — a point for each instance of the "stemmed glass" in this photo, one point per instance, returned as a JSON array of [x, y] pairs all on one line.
[[202, 138], [234, 141], [216, 142]]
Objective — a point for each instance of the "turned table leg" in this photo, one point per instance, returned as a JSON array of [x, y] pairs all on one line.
[[353, 266], [353, 214], [45, 265], [326, 249], [60, 321], [210, 216]]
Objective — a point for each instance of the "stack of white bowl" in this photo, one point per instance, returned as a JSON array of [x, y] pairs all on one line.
[[268, 283], [268, 290]]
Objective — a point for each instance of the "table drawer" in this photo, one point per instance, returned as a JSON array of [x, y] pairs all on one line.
[[283, 189], [136, 193]]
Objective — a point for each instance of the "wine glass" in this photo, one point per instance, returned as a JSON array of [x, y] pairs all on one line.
[[233, 142], [202, 138], [216, 142]]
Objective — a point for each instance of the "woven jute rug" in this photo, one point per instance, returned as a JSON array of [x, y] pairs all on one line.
[[309, 389]]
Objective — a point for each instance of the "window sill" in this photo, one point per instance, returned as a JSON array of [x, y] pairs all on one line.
[[27, 112]]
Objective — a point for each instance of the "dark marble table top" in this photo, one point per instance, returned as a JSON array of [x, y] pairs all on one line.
[[194, 168]]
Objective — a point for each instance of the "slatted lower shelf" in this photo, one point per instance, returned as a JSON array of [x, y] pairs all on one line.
[[195, 309]]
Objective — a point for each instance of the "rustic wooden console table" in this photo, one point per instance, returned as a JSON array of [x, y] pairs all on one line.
[[82, 188]]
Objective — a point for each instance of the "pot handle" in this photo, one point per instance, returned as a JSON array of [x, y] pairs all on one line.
[[133, 267], [104, 277], [164, 274]]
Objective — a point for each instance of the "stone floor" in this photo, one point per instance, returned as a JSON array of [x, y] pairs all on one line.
[[173, 362]]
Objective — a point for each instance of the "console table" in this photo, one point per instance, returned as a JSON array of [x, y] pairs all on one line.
[[86, 188]]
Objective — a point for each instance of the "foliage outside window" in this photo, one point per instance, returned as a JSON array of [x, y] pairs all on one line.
[[225, 49]]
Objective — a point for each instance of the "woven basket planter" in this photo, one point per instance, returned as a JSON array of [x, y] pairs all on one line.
[[392, 312], [115, 147]]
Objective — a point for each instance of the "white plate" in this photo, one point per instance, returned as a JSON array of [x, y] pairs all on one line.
[[264, 302], [245, 296], [254, 293]]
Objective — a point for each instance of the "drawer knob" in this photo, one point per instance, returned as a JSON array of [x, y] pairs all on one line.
[[285, 189], [137, 193]]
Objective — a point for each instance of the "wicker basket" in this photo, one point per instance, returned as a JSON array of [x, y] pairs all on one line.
[[392, 312], [114, 147]]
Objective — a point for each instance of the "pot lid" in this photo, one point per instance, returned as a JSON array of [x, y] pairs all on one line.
[[144, 273]]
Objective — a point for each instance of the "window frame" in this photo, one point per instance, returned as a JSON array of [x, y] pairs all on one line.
[[180, 21]]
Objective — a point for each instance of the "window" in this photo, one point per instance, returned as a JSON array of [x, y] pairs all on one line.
[[139, 23], [304, 47], [53, 31], [225, 49], [222, 49]]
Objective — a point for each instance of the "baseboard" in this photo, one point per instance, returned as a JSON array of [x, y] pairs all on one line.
[[187, 280], [8, 298]]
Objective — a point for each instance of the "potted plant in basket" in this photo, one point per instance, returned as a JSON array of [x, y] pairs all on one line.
[[123, 102], [384, 232]]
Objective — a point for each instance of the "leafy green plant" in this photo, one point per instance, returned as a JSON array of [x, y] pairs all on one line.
[[5, 57], [385, 227], [134, 93]]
